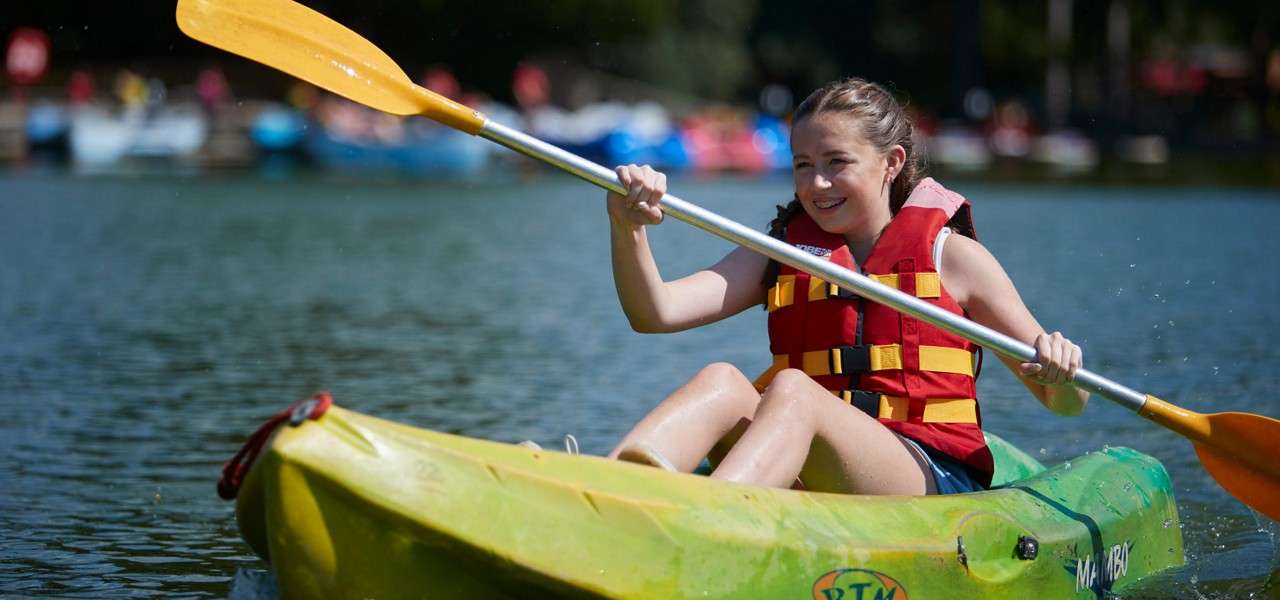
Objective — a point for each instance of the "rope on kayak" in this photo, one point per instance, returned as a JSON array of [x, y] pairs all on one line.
[[234, 472]]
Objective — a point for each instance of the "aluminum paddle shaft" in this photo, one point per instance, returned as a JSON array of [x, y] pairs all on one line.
[[787, 254]]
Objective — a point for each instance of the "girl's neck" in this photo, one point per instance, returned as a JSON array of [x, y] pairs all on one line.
[[862, 242]]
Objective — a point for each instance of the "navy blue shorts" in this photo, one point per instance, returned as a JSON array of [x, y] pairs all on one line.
[[950, 476]]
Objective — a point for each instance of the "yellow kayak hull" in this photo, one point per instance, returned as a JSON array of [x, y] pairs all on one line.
[[350, 506]]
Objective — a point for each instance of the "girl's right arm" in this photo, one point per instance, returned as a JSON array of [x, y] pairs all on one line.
[[656, 306]]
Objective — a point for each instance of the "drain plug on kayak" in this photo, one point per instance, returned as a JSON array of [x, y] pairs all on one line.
[[1028, 548]]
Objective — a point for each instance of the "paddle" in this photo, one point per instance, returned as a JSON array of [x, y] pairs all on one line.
[[1240, 450]]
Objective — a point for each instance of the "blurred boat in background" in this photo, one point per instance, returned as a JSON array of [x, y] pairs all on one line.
[[100, 139], [278, 128], [313, 130], [734, 141], [47, 129], [613, 133], [712, 139], [422, 150]]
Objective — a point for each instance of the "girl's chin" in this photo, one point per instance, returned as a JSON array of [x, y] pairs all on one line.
[[833, 225]]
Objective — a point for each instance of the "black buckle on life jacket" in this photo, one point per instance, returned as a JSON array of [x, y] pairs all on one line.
[[867, 402], [853, 359]]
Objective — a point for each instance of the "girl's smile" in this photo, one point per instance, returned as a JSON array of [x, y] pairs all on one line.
[[826, 204]]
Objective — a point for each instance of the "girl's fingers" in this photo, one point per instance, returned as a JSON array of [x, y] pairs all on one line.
[[655, 215], [624, 178], [651, 190], [644, 190], [1043, 352], [636, 190], [1076, 361], [1053, 362], [1058, 359]]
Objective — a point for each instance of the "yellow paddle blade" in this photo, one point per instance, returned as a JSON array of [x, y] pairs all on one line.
[[1240, 450], [1243, 455], [1254, 488], [310, 46]]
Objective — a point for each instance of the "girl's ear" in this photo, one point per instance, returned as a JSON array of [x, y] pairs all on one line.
[[894, 159]]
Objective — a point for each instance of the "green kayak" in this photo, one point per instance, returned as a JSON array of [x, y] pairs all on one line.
[[350, 506]]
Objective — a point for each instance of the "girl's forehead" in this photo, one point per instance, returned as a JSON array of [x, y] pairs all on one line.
[[828, 130]]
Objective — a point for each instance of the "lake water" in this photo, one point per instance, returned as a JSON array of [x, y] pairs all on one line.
[[148, 324]]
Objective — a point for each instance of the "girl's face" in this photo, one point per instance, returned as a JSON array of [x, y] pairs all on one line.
[[841, 179]]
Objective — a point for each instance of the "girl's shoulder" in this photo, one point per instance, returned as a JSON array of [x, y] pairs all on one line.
[[968, 268]]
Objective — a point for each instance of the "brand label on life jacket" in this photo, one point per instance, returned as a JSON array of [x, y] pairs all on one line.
[[815, 250]]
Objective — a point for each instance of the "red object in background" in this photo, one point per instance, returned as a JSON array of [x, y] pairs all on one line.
[[27, 55], [530, 86], [441, 81], [719, 141], [1167, 77], [80, 89], [212, 88]]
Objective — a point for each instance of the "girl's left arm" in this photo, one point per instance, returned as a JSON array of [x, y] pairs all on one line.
[[977, 281]]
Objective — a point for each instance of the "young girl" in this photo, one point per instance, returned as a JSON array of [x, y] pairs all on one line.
[[860, 399]]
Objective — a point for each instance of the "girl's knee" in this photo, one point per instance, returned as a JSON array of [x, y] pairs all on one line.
[[793, 392], [720, 387], [721, 372], [790, 381]]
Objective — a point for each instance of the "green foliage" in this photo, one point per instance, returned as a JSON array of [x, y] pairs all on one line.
[[701, 52]]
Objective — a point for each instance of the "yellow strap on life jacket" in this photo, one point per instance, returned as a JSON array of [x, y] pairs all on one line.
[[928, 285], [783, 293], [936, 410], [887, 357], [818, 289]]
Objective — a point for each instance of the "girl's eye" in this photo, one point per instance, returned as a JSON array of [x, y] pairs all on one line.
[[801, 165]]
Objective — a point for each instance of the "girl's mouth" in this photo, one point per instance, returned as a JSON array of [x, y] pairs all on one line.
[[827, 203]]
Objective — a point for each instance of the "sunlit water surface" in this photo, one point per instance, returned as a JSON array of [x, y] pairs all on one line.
[[147, 325]]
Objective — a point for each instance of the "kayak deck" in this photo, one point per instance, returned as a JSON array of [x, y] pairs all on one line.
[[354, 506]]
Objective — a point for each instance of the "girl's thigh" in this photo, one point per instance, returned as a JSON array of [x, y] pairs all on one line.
[[853, 453]]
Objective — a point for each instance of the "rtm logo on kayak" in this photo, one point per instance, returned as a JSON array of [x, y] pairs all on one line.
[[857, 584], [1100, 572]]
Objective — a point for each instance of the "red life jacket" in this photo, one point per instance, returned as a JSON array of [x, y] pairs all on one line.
[[917, 379]]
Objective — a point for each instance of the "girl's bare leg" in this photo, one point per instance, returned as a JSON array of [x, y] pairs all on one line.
[[685, 426], [799, 428]]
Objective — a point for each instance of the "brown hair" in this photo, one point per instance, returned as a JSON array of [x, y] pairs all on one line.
[[884, 124]]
